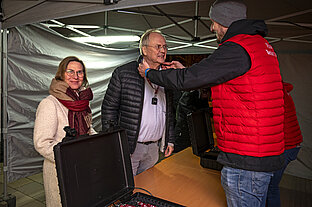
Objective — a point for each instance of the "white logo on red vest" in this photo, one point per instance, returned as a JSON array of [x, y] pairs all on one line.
[[272, 53]]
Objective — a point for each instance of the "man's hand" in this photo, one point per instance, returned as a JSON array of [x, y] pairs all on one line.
[[172, 64], [169, 151], [142, 67]]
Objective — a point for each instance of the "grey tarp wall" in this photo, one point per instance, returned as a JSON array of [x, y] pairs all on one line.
[[33, 57], [296, 68]]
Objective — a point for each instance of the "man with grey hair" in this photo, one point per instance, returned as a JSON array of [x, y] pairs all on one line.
[[247, 101], [142, 108]]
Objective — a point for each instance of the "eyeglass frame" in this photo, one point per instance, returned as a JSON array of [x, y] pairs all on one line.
[[72, 73], [158, 47]]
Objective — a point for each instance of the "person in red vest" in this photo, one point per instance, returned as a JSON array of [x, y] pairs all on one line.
[[247, 101], [293, 138]]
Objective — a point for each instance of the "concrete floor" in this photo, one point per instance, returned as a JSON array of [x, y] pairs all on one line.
[[29, 191]]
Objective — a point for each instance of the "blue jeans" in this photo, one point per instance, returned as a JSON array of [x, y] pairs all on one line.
[[244, 187], [273, 198]]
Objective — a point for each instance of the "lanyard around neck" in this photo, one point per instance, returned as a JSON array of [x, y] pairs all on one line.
[[155, 89]]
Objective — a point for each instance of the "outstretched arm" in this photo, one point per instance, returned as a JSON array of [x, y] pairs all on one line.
[[229, 61]]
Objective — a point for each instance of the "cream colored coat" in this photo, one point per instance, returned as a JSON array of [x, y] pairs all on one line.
[[51, 118]]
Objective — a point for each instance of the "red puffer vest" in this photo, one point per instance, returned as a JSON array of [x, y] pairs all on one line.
[[292, 131], [248, 111]]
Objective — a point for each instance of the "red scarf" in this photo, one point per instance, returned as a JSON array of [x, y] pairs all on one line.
[[79, 112]]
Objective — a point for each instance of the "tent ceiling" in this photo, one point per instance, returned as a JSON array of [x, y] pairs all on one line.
[[185, 23], [20, 12]]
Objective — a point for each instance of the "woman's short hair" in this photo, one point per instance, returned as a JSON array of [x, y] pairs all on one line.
[[145, 38], [60, 73]]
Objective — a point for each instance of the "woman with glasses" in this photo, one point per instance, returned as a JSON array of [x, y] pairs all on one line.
[[67, 105]]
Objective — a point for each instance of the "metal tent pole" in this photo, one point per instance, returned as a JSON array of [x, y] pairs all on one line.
[[3, 108], [196, 20], [6, 199]]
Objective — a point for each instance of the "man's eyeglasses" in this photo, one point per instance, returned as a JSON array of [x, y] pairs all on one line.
[[72, 73], [159, 47]]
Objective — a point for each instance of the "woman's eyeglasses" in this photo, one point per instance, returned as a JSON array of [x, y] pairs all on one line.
[[72, 73]]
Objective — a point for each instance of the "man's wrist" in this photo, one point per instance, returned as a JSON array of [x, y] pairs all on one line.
[[146, 70]]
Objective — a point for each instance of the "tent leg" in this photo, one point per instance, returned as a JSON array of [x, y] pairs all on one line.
[[6, 199]]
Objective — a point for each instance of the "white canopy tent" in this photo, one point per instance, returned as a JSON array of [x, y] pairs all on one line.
[[31, 54]]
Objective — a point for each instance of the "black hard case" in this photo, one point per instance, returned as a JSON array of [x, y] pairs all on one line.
[[95, 171], [201, 135]]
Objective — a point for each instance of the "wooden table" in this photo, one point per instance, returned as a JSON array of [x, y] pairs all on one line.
[[181, 179]]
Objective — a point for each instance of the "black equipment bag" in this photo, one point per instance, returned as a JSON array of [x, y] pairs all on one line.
[[201, 135]]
